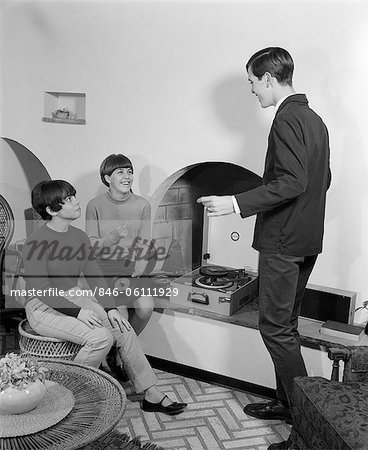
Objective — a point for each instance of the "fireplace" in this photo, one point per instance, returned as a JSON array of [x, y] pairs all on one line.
[[180, 230], [188, 235], [178, 221]]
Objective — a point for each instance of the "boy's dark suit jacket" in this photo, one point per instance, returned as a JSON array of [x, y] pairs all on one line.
[[290, 205]]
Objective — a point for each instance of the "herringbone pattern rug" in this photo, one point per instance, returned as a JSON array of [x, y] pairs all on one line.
[[213, 420]]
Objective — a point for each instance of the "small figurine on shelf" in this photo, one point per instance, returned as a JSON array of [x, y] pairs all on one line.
[[63, 113]]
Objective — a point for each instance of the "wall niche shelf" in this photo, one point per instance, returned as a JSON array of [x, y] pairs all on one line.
[[65, 107]]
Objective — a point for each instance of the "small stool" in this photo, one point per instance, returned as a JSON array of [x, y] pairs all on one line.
[[45, 347]]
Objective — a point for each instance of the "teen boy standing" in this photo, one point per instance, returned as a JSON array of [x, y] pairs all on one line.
[[290, 208]]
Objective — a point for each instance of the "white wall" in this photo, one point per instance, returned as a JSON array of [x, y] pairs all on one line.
[[218, 347], [166, 85]]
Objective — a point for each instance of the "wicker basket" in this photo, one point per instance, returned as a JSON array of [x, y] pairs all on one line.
[[45, 347]]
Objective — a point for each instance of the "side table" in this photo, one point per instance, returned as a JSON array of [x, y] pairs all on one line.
[[100, 403]]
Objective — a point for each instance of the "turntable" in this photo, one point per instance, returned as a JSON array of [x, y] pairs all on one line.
[[222, 290], [213, 284]]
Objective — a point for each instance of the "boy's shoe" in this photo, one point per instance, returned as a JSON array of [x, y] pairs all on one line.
[[273, 410]]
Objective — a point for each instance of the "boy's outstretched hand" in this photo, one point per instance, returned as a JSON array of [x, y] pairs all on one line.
[[217, 205]]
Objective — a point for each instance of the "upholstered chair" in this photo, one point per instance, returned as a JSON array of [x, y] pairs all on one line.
[[332, 414]]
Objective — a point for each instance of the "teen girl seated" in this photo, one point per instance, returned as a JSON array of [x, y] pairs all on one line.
[[55, 256], [118, 223]]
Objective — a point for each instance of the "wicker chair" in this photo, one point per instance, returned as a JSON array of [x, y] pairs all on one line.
[[10, 314], [6, 224], [6, 235], [45, 347]]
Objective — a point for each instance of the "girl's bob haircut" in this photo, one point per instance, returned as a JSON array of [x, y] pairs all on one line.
[[111, 163]]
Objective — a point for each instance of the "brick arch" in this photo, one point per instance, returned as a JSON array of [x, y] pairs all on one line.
[[178, 220]]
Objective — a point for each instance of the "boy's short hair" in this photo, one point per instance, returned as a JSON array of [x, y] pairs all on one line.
[[51, 193], [111, 163], [275, 60]]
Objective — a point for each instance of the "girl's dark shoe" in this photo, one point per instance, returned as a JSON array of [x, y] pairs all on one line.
[[171, 410]]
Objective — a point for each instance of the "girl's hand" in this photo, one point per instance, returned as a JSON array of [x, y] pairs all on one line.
[[90, 318], [116, 235], [118, 321]]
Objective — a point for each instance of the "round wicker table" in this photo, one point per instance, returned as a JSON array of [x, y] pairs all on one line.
[[100, 403]]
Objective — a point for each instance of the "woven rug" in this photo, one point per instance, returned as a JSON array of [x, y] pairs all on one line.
[[120, 441]]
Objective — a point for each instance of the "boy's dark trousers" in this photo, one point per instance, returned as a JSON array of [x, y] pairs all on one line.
[[282, 281]]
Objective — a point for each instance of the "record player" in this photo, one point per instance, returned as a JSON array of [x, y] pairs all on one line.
[[217, 288]]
